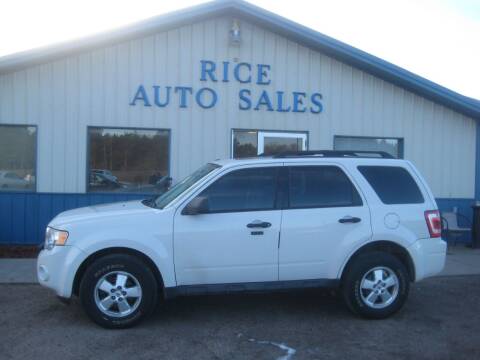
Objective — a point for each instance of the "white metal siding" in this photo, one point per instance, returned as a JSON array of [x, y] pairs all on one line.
[[94, 89]]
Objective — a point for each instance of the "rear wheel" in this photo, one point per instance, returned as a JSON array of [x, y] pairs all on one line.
[[376, 285], [118, 291]]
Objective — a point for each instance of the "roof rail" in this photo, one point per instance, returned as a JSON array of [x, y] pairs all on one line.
[[335, 154]]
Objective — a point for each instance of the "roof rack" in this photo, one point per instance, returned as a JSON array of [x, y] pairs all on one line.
[[335, 154]]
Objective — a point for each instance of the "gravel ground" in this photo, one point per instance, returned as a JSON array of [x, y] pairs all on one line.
[[441, 320]]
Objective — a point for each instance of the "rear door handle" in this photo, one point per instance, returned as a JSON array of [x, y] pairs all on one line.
[[259, 224], [349, 219]]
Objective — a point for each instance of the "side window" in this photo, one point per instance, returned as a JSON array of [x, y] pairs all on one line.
[[393, 184], [243, 190], [321, 186]]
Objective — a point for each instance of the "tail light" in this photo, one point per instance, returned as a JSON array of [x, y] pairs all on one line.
[[434, 223]]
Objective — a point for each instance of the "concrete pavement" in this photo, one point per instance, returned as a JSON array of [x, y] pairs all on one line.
[[18, 271], [460, 261], [440, 321]]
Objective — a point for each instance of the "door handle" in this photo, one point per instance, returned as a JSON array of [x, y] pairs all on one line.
[[349, 219], [259, 224]]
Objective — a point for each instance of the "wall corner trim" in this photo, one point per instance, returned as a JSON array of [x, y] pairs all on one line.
[[477, 161]]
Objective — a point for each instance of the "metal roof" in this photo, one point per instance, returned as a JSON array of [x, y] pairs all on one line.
[[282, 26]]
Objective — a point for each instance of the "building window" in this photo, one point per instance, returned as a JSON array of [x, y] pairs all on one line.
[[393, 146], [18, 147], [245, 143], [128, 160], [248, 143]]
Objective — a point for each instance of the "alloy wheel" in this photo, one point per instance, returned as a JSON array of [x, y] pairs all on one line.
[[379, 287], [118, 294]]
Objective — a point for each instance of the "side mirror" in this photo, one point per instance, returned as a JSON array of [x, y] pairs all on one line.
[[198, 205]]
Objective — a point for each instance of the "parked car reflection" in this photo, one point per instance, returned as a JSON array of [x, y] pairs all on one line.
[[104, 180], [101, 182], [9, 180], [163, 184], [106, 173]]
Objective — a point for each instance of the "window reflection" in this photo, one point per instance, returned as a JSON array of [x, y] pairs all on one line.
[[390, 145], [245, 144], [275, 145], [128, 160], [17, 157]]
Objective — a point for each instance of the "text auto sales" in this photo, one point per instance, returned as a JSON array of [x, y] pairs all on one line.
[[244, 73]]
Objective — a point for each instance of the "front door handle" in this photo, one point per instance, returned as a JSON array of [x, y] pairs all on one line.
[[259, 224], [349, 219]]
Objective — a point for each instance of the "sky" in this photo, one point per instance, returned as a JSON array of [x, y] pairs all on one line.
[[437, 39]]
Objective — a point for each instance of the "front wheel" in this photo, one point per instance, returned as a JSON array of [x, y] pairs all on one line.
[[118, 291], [376, 285]]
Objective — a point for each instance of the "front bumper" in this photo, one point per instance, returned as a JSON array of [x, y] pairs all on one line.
[[428, 257], [56, 268]]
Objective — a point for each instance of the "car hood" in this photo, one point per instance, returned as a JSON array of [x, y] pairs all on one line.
[[98, 212]]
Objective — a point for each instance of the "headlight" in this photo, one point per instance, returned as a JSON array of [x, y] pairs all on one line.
[[55, 237]]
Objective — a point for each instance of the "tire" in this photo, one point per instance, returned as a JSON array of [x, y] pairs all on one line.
[[370, 280], [113, 307]]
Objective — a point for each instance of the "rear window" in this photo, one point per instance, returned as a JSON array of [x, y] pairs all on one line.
[[393, 184]]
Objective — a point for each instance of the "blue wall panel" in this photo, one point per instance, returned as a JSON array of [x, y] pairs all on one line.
[[464, 206], [24, 216]]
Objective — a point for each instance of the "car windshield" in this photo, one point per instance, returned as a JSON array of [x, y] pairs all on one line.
[[164, 199]]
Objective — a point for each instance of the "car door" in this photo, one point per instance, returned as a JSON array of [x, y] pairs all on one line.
[[236, 239], [324, 217]]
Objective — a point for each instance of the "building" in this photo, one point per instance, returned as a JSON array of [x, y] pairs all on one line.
[[112, 117]]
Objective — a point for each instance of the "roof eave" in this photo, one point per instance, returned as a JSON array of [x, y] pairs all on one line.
[[146, 27], [364, 61]]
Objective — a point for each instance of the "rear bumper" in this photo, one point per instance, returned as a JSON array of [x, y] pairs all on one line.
[[428, 257]]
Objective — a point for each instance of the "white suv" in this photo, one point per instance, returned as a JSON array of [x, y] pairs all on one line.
[[368, 226]]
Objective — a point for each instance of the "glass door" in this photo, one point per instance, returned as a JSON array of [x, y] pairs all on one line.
[[270, 143], [250, 143]]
